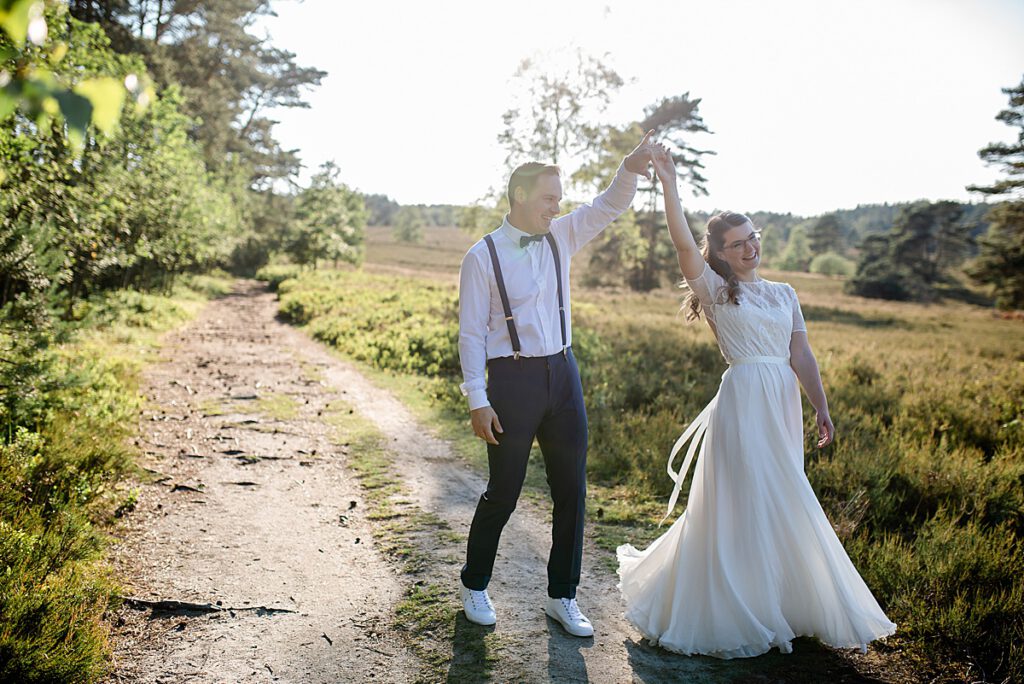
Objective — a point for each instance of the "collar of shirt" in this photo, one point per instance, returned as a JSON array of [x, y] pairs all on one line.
[[512, 233]]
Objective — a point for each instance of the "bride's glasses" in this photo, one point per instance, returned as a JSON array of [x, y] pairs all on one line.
[[739, 245]]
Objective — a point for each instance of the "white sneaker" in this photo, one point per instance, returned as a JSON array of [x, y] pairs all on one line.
[[568, 613], [478, 607]]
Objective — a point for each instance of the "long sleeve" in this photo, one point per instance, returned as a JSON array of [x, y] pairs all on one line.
[[587, 220], [474, 309]]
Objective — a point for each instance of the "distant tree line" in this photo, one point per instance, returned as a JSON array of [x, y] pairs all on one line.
[[408, 221]]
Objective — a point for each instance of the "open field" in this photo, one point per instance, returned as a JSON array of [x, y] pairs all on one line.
[[923, 484], [439, 254]]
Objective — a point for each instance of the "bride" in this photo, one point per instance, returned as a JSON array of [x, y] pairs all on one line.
[[752, 562]]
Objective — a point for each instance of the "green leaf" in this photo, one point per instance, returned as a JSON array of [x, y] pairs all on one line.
[[58, 53], [8, 101], [14, 15], [77, 111], [106, 95]]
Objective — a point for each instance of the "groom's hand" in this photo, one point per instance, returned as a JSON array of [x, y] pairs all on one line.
[[638, 160], [485, 423]]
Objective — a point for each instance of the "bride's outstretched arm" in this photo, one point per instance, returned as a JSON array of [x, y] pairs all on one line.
[[801, 358], [691, 263]]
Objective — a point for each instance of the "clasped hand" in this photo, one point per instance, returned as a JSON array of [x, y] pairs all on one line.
[[651, 153]]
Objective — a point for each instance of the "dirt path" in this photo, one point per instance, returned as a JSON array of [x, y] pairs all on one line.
[[278, 521], [251, 507]]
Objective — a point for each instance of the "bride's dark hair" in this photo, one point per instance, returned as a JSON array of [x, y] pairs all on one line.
[[714, 242]]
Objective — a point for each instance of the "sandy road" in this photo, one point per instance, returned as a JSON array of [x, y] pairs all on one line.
[[252, 506]]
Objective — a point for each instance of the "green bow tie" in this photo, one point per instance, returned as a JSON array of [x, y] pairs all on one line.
[[527, 239]]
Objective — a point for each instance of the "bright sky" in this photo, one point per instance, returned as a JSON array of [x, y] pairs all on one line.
[[814, 105]]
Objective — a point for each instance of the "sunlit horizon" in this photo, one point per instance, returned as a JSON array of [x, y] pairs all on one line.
[[813, 106]]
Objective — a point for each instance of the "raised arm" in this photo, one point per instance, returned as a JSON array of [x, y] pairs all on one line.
[[586, 221], [691, 263]]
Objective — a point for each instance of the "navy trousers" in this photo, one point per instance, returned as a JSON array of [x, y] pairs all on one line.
[[538, 397]]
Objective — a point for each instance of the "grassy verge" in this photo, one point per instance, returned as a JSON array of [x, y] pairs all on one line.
[[428, 613], [63, 461], [923, 484], [277, 406]]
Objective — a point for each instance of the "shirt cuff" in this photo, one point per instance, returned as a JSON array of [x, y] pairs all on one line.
[[626, 174], [477, 399]]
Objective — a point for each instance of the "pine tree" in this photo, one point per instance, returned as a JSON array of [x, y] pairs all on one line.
[[1001, 259], [929, 239], [634, 249], [229, 76], [826, 235], [925, 242]]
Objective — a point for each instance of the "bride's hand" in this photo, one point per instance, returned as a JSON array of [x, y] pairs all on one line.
[[664, 165], [826, 431]]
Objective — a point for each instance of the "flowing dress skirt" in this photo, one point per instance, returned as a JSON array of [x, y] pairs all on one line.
[[753, 562]]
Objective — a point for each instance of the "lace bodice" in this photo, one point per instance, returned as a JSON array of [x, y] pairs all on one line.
[[761, 324]]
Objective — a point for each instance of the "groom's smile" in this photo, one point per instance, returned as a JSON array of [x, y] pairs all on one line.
[[541, 206]]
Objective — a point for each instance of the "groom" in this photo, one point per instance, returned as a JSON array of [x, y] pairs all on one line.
[[514, 321]]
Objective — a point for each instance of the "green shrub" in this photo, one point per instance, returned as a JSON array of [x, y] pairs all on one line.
[[53, 485], [64, 450], [398, 324], [956, 591], [832, 264], [276, 274]]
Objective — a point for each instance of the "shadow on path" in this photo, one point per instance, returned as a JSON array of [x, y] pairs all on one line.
[[809, 662], [470, 662], [565, 657]]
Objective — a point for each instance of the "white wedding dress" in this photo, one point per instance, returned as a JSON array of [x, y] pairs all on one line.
[[752, 562]]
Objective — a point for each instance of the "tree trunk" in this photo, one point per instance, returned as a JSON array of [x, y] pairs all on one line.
[[143, 6]]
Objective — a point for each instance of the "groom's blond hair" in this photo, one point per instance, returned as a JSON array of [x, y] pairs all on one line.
[[525, 176]]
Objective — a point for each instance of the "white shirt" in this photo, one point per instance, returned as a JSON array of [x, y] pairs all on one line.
[[529, 275]]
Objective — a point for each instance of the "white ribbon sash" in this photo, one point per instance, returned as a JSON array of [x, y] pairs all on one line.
[[781, 360], [695, 435]]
